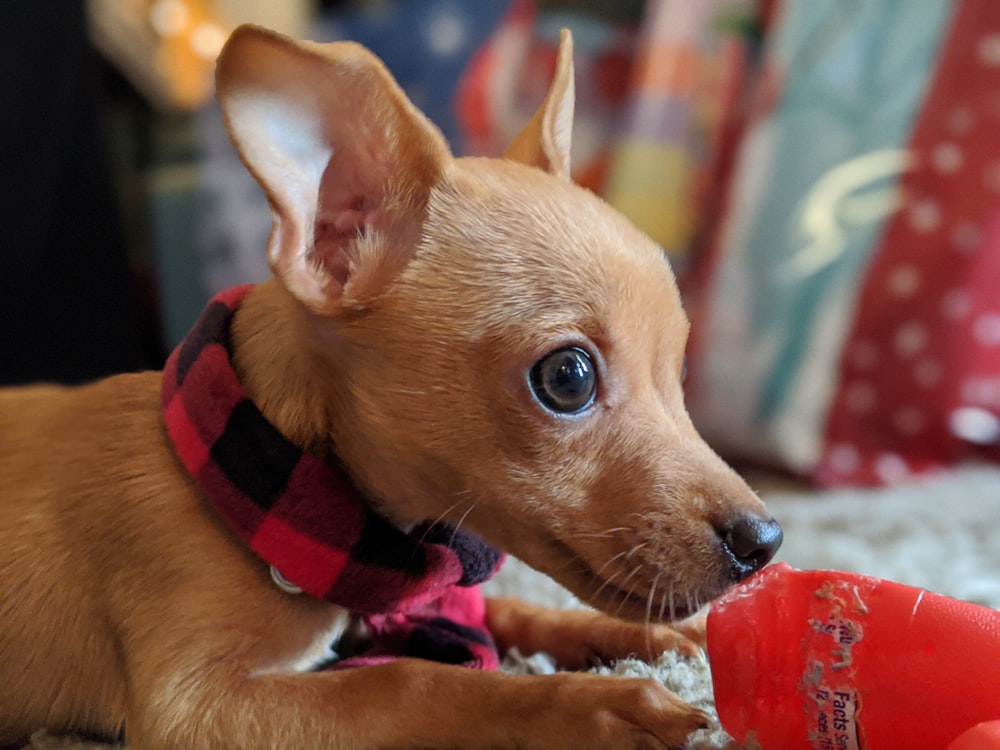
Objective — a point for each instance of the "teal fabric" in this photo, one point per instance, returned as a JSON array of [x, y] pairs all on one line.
[[856, 77], [813, 186]]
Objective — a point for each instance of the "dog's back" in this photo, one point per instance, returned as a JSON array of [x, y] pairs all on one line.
[[66, 455]]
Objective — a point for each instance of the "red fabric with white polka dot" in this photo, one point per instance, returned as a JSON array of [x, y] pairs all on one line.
[[920, 372]]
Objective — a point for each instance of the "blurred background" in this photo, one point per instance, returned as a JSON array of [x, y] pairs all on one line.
[[823, 174]]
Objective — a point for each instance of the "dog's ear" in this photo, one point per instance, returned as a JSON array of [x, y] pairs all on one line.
[[346, 160], [546, 139]]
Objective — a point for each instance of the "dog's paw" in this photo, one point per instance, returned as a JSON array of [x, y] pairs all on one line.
[[630, 714], [695, 628], [604, 639]]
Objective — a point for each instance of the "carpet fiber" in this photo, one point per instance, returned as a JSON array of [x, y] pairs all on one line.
[[938, 535]]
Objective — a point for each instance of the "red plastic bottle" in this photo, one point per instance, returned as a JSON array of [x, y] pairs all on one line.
[[985, 736], [825, 660]]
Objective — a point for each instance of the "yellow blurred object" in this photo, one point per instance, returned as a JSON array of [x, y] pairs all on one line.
[[167, 48], [652, 185]]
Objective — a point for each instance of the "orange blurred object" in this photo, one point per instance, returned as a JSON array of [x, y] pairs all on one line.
[[166, 48], [826, 660]]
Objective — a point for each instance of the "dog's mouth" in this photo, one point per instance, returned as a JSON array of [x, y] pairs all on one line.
[[636, 597]]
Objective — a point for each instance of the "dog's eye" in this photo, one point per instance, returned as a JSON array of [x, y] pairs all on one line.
[[565, 380]]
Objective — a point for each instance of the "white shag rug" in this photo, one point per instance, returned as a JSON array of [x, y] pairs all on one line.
[[938, 534]]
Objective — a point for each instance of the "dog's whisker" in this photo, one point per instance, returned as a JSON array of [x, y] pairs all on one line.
[[461, 520], [663, 605], [439, 519], [634, 550], [630, 576], [630, 591], [607, 582], [649, 616], [449, 509], [611, 560], [618, 609], [604, 534]]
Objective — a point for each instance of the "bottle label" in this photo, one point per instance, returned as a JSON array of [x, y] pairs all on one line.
[[833, 706], [833, 720]]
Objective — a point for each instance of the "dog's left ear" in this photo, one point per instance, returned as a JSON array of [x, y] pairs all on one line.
[[346, 160], [546, 139]]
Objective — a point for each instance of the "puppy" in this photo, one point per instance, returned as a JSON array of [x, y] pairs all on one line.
[[472, 353]]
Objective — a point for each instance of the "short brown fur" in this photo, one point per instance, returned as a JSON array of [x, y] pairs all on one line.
[[410, 288]]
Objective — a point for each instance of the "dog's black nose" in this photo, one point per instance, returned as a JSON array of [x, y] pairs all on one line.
[[750, 541]]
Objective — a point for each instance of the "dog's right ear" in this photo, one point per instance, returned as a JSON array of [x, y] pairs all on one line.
[[346, 160], [545, 141]]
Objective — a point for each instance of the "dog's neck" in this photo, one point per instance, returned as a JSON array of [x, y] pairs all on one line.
[[298, 390], [300, 370], [298, 512]]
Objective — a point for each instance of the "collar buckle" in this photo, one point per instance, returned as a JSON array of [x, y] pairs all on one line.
[[283, 583]]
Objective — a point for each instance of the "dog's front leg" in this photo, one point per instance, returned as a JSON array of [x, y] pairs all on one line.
[[578, 638], [408, 704]]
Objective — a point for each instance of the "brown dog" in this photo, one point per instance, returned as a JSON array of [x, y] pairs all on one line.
[[482, 342]]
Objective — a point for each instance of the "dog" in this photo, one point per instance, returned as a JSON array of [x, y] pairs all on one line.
[[468, 344]]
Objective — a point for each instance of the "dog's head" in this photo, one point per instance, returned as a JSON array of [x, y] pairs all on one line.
[[503, 348]]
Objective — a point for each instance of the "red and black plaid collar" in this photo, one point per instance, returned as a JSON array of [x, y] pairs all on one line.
[[304, 518]]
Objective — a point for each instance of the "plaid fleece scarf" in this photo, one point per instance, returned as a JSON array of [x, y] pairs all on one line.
[[307, 520]]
